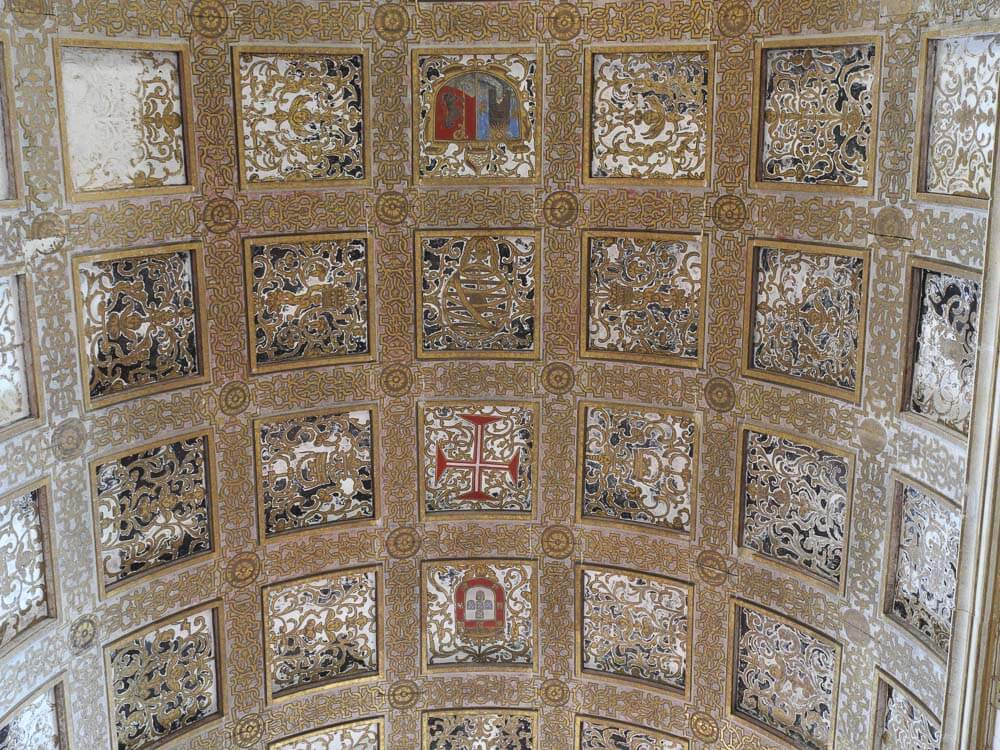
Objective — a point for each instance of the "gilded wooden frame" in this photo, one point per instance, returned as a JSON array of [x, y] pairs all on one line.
[[59, 687], [10, 144], [32, 361], [530, 714], [311, 733], [883, 681], [656, 733]]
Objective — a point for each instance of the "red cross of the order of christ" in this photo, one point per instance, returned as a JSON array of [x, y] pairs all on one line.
[[477, 465]]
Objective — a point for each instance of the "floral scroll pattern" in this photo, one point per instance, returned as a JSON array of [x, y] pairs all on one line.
[[302, 116], [905, 726], [635, 627], [644, 296], [650, 115], [477, 294], [785, 678], [818, 115], [164, 681], [597, 734], [322, 630], [15, 396], [37, 725], [123, 116], [963, 116], [795, 504], [448, 644], [153, 508], [807, 315], [309, 299], [24, 593], [925, 575], [357, 735], [316, 469], [475, 730], [139, 321], [639, 466], [944, 353]]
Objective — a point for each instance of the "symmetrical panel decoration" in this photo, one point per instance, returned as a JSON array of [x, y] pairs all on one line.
[[322, 630], [141, 322], [9, 161], [479, 613], [478, 294], [643, 297], [794, 502], [308, 300], [923, 564], [806, 308], [38, 723], [475, 729], [153, 507], [164, 679], [124, 117], [650, 113], [638, 465], [300, 116], [26, 595], [634, 626], [959, 117], [476, 116], [366, 734], [604, 734], [18, 374], [478, 459], [814, 123], [315, 469], [785, 677], [944, 337], [901, 721]]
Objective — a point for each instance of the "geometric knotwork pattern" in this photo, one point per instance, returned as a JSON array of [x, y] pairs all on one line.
[[315, 469], [603, 734], [902, 724], [634, 627], [15, 348], [153, 507], [37, 724], [479, 729], [356, 735], [24, 563], [795, 503], [321, 630], [639, 465]]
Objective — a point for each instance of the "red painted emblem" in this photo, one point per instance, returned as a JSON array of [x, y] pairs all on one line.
[[478, 465], [480, 607]]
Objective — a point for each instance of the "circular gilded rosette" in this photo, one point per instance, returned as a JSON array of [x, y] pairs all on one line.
[[209, 18], [554, 692], [403, 542], [564, 23], [403, 694], [221, 215], [720, 394], [392, 22], [558, 378], [730, 213], [561, 208], [873, 436], [69, 439], [243, 569], [557, 542], [704, 727], [248, 730], [391, 208], [713, 568], [396, 380], [47, 224], [234, 398], [83, 633], [734, 17], [891, 226]]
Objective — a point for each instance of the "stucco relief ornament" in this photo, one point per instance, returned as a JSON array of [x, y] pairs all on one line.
[[392, 22], [69, 439], [248, 730], [554, 692], [704, 727], [734, 17], [730, 213], [234, 398], [403, 542], [83, 633], [209, 18], [396, 380], [557, 378], [564, 23], [557, 542], [403, 694], [720, 394], [243, 569], [561, 208], [391, 208]]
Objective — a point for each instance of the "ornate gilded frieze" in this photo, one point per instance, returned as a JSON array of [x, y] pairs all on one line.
[[478, 459], [9, 151], [141, 322], [604, 734], [322, 630], [901, 721], [794, 502], [479, 614], [315, 469], [815, 114], [806, 307], [923, 554], [153, 507], [638, 465], [650, 113], [300, 113], [635, 627], [643, 297], [496, 729], [26, 585], [124, 118], [944, 339], [366, 734], [18, 352], [476, 116], [164, 680], [478, 294], [785, 677], [309, 300], [37, 723]]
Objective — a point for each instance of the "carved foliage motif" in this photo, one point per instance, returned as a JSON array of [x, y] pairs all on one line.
[[818, 115], [15, 394], [477, 294], [474, 730], [785, 678], [36, 725], [153, 508], [24, 591], [639, 466], [308, 300], [357, 735], [904, 725], [322, 630], [164, 681], [598, 734], [650, 115], [479, 613], [644, 297], [963, 115], [301, 116], [635, 627], [123, 118], [794, 503], [315, 469]]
